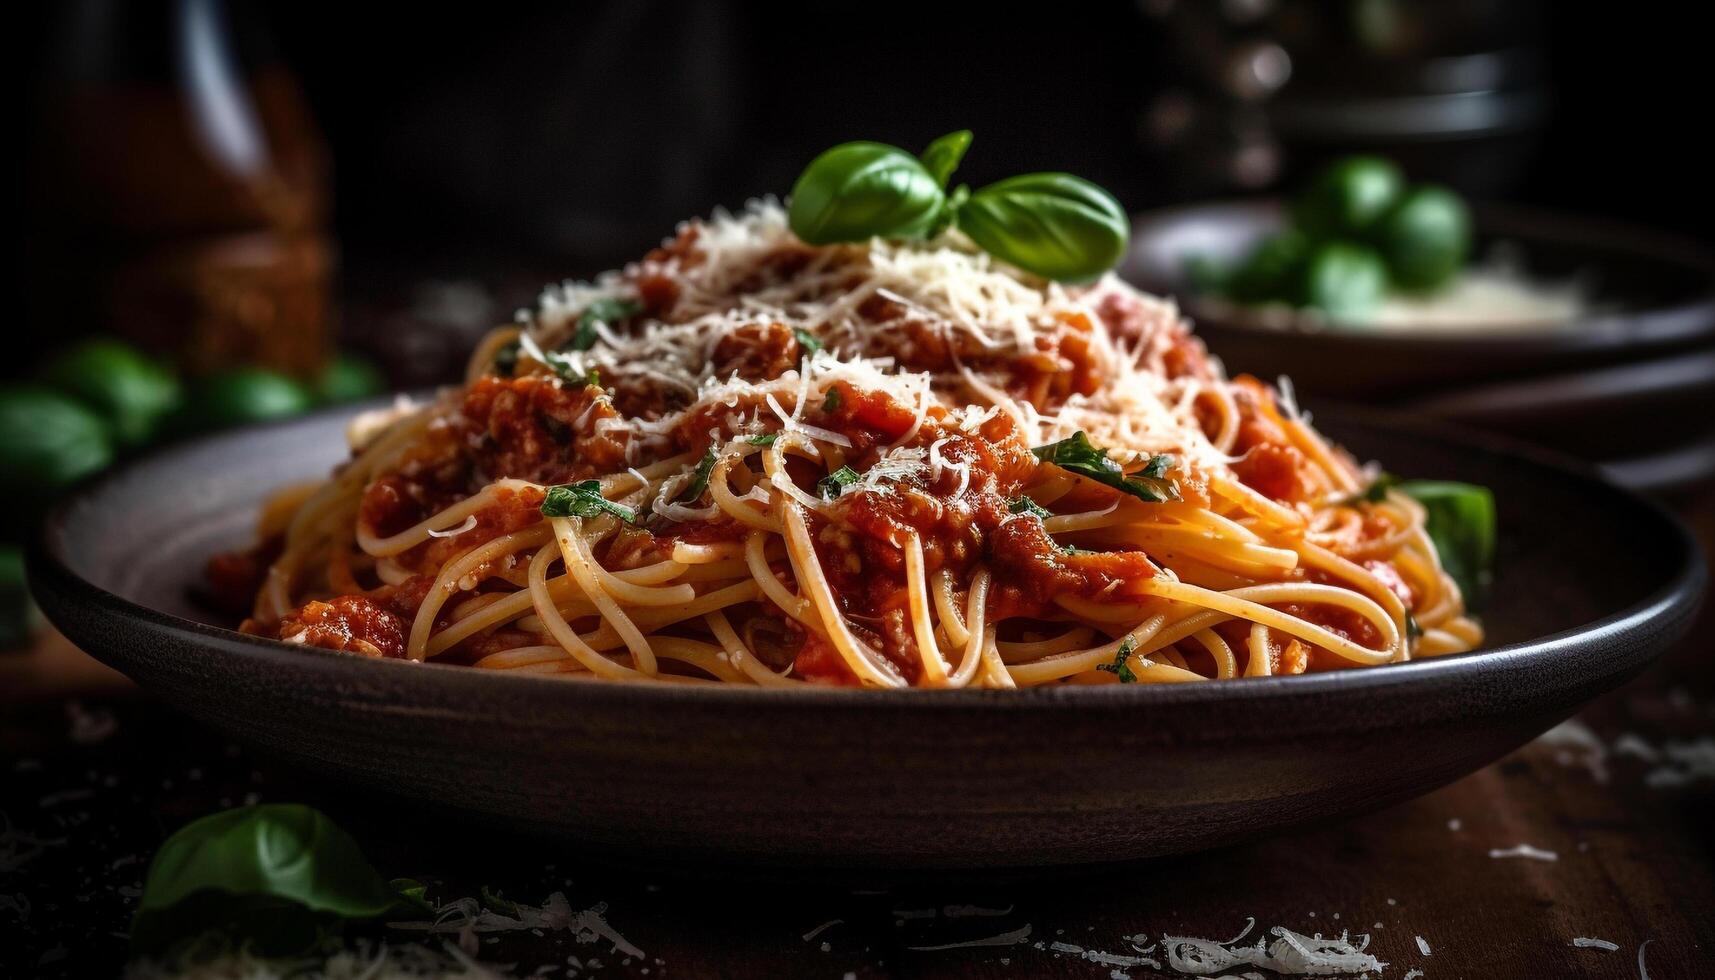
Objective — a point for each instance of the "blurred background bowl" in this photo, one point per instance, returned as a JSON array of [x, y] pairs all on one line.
[[1629, 383]]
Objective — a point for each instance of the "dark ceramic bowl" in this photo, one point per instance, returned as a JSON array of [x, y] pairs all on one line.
[[1652, 295], [1591, 584]]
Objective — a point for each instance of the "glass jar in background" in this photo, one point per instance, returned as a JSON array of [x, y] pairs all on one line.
[[178, 189]]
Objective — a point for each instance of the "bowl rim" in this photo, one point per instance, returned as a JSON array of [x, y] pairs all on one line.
[[59, 589], [1662, 325]]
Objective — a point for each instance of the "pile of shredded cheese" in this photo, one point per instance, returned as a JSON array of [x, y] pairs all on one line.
[[960, 294]]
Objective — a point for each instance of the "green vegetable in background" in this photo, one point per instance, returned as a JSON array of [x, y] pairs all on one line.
[[48, 441], [1076, 454], [243, 396], [131, 391], [18, 615], [1349, 198], [1273, 271], [1353, 235], [1345, 281], [1055, 225], [278, 876], [1461, 522], [348, 378], [1425, 237], [862, 190]]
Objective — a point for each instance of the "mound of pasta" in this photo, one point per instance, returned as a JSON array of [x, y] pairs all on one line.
[[750, 460]]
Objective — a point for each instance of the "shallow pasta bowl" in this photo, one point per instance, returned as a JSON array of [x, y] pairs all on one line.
[[1592, 583]]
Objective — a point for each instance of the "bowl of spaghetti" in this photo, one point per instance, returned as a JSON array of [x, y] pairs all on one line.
[[869, 553]]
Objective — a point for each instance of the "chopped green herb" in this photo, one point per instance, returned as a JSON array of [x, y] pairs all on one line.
[[602, 311], [413, 894], [1024, 505], [493, 900], [1120, 668], [835, 483], [1075, 454], [809, 343], [558, 431], [559, 363], [506, 360], [1412, 629], [832, 402], [1073, 550], [699, 482], [763, 439], [593, 379], [1375, 493], [1157, 466], [583, 500], [1461, 522]]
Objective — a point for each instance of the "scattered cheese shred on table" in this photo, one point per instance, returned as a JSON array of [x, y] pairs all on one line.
[[1290, 953], [1523, 851], [1012, 938], [1584, 942]]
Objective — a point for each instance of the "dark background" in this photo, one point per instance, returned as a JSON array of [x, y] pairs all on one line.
[[508, 142]]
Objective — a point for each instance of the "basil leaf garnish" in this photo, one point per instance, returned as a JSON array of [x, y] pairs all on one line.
[[1053, 224], [835, 483], [1461, 522], [583, 500], [862, 190], [942, 157], [1056, 225], [1075, 454]]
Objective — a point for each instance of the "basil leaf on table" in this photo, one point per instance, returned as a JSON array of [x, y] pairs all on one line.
[[1053, 224], [1461, 522], [280, 876], [863, 190]]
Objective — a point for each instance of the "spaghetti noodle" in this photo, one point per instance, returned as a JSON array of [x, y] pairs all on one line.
[[748, 460]]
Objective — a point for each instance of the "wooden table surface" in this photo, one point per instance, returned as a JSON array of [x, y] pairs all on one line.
[[1615, 814], [96, 775]]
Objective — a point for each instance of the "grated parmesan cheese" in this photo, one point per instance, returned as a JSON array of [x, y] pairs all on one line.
[[955, 292]]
